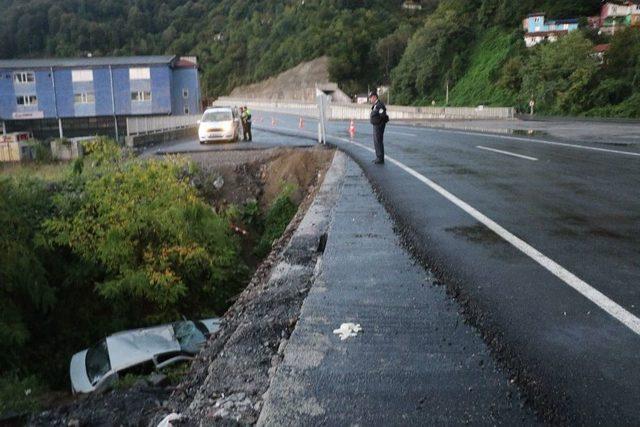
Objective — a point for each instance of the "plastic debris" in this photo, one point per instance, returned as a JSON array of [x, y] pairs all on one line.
[[218, 183], [166, 421], [348, 330]]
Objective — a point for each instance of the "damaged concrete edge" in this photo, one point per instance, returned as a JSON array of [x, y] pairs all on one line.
[[213, 397]]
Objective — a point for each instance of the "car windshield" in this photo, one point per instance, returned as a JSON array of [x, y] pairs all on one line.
[[189, 336], [217, 116], [97, 361]]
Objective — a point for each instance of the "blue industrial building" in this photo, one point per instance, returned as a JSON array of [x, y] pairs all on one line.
[[83, 96]]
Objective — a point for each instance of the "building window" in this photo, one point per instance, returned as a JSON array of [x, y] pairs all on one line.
[[82, 75], [23, 77], [84, 98], [186, 110], [185, 93], [139, 73], [141, 96], [27, 100]]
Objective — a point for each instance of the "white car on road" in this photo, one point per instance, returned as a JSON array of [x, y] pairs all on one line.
[[219, 124], [140, 349]]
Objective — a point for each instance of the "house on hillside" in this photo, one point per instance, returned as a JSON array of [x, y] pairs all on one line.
[[538, 29], [599, 52], [87, 96], [614, 17], [412, 5]]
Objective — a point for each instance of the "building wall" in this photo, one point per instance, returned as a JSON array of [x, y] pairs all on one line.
[[102, 91], [538, 24], [64, 93], [185, 78], [165, 85], [44, 91], [161, 90], [7, 98]]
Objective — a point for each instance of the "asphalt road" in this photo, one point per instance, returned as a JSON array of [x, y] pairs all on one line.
[[261, 140], [540, 241]]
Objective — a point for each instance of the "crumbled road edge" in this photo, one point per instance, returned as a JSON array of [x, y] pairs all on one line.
[[227, 381]]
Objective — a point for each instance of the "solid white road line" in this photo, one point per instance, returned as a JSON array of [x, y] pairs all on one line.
[[508, 153], [538, 141], [588, 291]]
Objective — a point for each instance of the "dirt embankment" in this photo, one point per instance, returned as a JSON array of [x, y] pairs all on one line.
[[231, 178], [259, 175], [298, 83]]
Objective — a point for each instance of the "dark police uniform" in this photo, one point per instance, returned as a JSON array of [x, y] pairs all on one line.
[[379, 119]]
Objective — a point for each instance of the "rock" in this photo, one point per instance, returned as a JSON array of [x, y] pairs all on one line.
[[73, 423], [158, 379]]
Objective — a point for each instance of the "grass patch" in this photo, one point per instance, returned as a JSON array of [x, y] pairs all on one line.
[[19, 395], [276, 220], [478, 85], [52, 172]]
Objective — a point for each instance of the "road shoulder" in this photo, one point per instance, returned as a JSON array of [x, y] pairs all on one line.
[[416, 361]]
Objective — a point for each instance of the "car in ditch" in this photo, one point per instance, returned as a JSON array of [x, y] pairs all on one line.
[[219, 124], [137, 350]]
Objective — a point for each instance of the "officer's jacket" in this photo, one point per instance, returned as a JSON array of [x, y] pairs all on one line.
[[378, 115]]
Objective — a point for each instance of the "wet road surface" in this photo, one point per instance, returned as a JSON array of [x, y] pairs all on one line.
[[540, 240]]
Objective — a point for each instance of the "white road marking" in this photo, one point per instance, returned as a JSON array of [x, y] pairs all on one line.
[[538, 141], [401, 133], [588, 291], [508, 153]]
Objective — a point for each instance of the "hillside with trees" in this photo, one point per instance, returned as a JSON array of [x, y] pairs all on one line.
[[473, 46]]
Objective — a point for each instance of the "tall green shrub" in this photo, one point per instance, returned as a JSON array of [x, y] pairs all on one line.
[[163, 249]]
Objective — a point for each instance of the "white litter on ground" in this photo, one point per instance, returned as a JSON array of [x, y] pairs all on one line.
[[348, 330], [166, 421]]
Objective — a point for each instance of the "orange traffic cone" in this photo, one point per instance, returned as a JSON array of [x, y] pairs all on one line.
[[352, 129], [301, 123]]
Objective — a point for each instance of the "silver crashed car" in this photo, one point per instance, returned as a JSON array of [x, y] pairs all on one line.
[[98, 367]]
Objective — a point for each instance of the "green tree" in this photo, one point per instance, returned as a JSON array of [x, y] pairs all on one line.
[[559, 76], [163, 250], [24, 286]]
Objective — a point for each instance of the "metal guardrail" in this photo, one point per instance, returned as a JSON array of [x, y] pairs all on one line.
[[156, 124], [361, 111]]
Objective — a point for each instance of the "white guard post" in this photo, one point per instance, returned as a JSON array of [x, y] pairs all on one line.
[[323, 101]]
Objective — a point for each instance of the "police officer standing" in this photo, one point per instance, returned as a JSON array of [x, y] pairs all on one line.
[[246, 124], [379, 119]]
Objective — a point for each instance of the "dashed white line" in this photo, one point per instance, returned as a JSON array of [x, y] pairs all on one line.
[[538, 141], [582, 287], [508, 153]]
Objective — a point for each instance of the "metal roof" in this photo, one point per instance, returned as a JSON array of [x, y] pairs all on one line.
[[86, 62]]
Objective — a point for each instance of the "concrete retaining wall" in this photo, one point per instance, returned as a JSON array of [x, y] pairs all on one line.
[[139, 141], [361, 111], [66, 150]]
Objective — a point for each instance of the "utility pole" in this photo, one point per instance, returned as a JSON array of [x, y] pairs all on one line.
[[446, 103]]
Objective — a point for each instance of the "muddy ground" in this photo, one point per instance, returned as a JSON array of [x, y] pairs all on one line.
[[249, 175]]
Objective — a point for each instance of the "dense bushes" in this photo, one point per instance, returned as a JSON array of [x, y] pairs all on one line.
[[115, 244], [163, 251]]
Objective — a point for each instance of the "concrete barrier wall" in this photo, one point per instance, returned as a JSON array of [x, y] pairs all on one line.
[[361, 111], [141, 141], [150, 124]]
